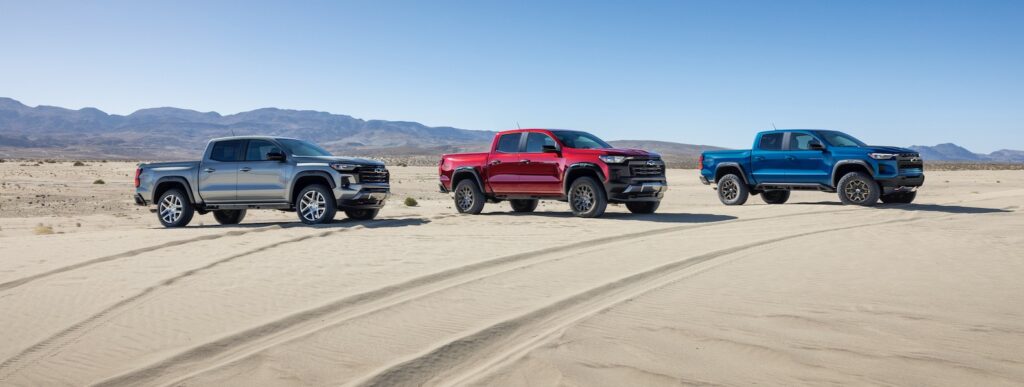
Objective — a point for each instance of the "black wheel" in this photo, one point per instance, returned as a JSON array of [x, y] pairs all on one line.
[[229, 216], [775, 197], [468, 198], [174, 209], [523, 205], [643, 207], [362, 214], [858, 189], [900, 198], [587, 198], [315, 205], [732, 191]]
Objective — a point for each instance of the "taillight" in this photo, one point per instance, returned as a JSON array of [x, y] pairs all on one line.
[[138, 172], [700, 161]]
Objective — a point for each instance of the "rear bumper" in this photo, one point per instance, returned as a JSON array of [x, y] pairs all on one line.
[[140, 200], [704, 180]]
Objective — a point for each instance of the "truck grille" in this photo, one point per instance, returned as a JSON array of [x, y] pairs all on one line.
[[642, 169], [373, 175], [910, 163]]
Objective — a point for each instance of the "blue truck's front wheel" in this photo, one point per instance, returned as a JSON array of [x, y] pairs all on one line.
[[857, 188]]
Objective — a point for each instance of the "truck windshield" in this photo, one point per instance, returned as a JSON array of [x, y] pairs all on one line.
[[834, 138], [580, 140], [302, 148]]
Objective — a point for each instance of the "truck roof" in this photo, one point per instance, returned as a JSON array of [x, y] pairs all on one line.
[[251, 138]]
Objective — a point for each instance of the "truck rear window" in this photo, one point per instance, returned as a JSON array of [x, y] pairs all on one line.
[[770, 141], [230, 150], [508, 143]]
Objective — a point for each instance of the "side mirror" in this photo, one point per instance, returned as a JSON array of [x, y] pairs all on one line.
[[815, 145], [275, 156], [549, 149]]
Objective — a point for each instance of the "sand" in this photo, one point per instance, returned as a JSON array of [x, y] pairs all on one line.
[[93, 291]]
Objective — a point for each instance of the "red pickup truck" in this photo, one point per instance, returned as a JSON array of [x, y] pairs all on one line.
[[527, 165]]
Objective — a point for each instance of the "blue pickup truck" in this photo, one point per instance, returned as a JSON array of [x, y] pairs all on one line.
[[812, 159]]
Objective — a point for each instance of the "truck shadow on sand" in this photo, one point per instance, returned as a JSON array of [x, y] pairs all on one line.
[[655, 217], [948, 209], [337, 223]]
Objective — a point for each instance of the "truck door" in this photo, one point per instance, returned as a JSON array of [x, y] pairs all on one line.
[[806, 165], [503, 165], [768, 161], [539, 171], [261, 179], [218, 172]]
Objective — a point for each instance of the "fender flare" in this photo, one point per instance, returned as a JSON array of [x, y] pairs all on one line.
[[470, 171], [835, 167], [174, 179], [578, 166], [324, 174], [743, 175]]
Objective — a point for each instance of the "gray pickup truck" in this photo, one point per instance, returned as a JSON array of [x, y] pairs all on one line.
[[241, 173]]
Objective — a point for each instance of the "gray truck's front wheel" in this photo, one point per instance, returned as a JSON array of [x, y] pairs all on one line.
[[229, 216], [174, 209], [468, 198], [857, 188], [732, 191], [315, 205]]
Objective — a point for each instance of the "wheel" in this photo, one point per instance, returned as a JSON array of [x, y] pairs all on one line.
[[229, 216], [468, 198], [587, 198], [775, 197], [900, 198], [523, 205], [174, 209], [315, 204], [732, 191], [643, 207], [362, 214], [858, 189]]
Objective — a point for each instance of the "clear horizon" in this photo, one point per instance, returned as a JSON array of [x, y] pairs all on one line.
[[907, 73]]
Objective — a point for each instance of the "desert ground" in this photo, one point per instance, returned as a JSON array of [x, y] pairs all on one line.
[[94, 291]]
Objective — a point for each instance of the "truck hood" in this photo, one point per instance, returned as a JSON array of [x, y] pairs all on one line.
[[338, 159], [619, 152], [887, 149]]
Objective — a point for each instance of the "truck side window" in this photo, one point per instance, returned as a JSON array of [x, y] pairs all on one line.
[[535, 142], [508, 143], [800, 141], [230, 150], [258, 149], [770, 141]]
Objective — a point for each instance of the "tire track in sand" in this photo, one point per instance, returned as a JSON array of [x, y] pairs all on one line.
[[284, 329], [54, 344], [467, 357]]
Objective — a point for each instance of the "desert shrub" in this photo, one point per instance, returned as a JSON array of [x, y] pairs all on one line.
[[411, 202], [78, 164], [99, 181], [403, 164], [40, 229], [50, 161]]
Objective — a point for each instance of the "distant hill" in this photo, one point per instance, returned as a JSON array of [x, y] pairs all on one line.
[[953, 152]]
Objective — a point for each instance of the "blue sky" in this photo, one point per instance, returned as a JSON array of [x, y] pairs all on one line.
[[711, 72]]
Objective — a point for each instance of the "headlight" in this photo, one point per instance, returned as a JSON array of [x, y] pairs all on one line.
[[344, 167], [612, 159], [882, 156]]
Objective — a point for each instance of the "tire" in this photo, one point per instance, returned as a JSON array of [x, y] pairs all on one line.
[[775, 196], [468, 197], [229, 216], [643, 207], [857, 188], [362, 214], [587, 198], [315, 205], [900, 198], [732, 191], [523, 205], [174, 209]]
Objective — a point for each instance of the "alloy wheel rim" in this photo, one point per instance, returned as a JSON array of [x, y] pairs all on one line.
[[313, 206], [171, 209], [583, 198], [464, 198], [729, 190], [857, 191]]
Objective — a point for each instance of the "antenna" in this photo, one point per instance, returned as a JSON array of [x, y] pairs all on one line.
[[517, 125], [773, 126], [232, 132]]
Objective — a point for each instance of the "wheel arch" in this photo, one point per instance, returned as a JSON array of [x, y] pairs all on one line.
[[844, 167], [167, 183], [306, 178], [726, 168], [575, 171], [463, 173]]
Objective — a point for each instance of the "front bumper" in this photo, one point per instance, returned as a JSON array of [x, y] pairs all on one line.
[[637, 191], [363, 196], [902, 181]]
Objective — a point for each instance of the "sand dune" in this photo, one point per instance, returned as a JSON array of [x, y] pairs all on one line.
[[804, 293]]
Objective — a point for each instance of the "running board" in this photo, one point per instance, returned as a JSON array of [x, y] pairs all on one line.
[[793, 187]]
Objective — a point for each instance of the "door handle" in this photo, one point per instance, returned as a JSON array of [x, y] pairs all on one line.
[[495, 162], [245, 169], [758, 158], [524, 161], [209, 170]]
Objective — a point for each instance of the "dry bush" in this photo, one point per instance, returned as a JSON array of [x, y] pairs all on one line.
[[410, 202], [78, 164], [99, 181], [40, 229]]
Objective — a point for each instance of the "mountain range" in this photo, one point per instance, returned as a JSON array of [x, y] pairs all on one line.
[[173, 133]]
